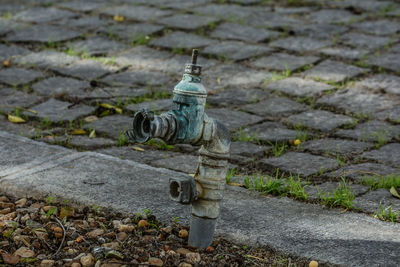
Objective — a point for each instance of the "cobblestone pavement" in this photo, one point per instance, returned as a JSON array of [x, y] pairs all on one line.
[[323, 73]]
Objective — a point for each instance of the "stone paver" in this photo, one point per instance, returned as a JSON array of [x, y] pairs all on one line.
[[299, 87], [42, 34], [275, 107], [243, 33], [387, 61], [321, 120], [332, 16], [298, 164], [58, 111], [226, 11], [357, 101], [233, 119], [236, 97], [378, 27], [344, 52], [374, 200], [60, 86], [236, 50], [112, 126], [234, 75], [42, 14], [326, 189], [300, 44], [132, 32], [388, 154], [86, 69], [377, 83], [83, 6], [271, 132], [361, 40], [371, 131], [155, 106], [11, 99], [187, 21], [19, 76], [137, 13], [182, 40], [334, 71], [97, 46], [6, 52], [336, 147], [46, 59], [321, 31], [358, 172], [131, 77], [282, 61], [272, 20]]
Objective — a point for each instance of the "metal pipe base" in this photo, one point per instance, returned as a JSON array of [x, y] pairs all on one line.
[[201, 232]]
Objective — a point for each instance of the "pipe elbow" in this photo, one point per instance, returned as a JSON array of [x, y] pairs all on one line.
[[215, 138]]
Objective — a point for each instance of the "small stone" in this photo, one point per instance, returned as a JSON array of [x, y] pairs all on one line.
[[142, 223], [184, 264], [167, 229], [313, 264], [209, 249], [72, 251], [24, 252], [111, 245], [95, 233], [126, 228], [47, 263], [122, 236], [156, 261], [21, 203], [58, 232], [87, 260], [183, 233], [114, 254], [76, 264], [193, 257], [183, 251]]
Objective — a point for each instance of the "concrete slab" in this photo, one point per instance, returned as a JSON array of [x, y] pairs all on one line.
[[300, 229]]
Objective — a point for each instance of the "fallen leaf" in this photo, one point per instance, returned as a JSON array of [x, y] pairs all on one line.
[[79, 239], [65, 212], [119, 18], [137, 148], [90, 118], [118, 110], [394, 192], [218, 80], [108, 106], [78, 132], [105, 113], [15, 119], [191, 174], [234, 184], [92, 134], [32, 111]]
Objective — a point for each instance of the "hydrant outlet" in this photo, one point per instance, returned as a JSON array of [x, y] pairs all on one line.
[[182, 190]]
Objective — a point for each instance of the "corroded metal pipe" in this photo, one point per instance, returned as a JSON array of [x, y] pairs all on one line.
[[187, 122]]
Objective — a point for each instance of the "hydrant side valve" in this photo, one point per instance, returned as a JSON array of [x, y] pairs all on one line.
[[187, 122]]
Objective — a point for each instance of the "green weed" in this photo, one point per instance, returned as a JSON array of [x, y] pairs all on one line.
[[229, 174], [245, 136], [386, 214], [377, 181], [278, 149], [341, 197], [160, 144]]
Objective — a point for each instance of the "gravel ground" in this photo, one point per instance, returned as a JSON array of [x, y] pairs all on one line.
[[47, 233]]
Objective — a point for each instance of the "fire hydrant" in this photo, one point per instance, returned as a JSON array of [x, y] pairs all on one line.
[[187, 123]]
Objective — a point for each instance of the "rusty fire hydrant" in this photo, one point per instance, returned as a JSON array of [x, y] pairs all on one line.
[[187, 123]]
